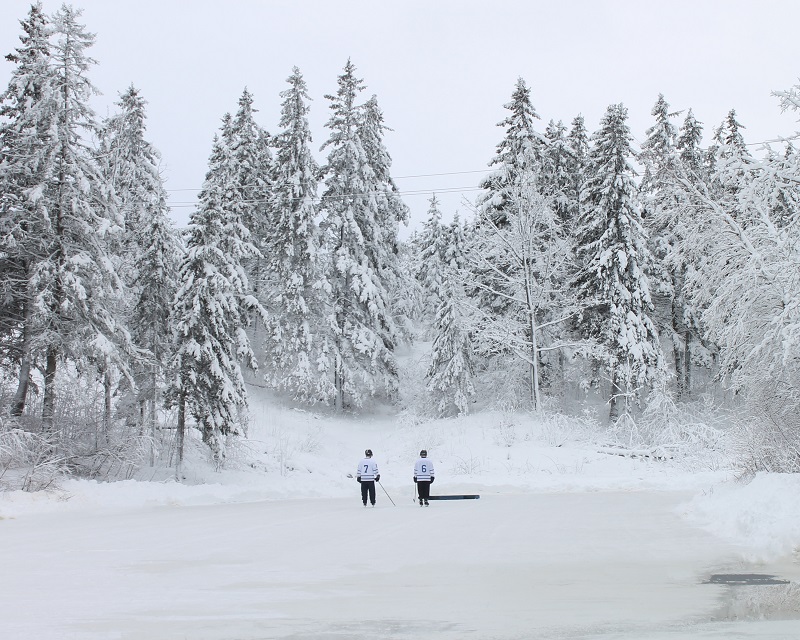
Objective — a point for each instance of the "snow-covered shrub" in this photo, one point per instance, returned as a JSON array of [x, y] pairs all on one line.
[[502, 383], [470, 466], [118, 457], [690, 433], [767, 436], [557, 428], [414, 396], [28, 461], [505, 434]]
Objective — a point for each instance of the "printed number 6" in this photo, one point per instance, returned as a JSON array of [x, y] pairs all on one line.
[[424, 468]]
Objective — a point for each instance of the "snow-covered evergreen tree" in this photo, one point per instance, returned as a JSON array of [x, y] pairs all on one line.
[[521, 151], [558, 181], [578, 141], [71, 280], [430, 268], [613, 245], [364, 333], [28, 111], [250, 165], [658, 154], [390, 212], [730, 163], [688, 145], [451, 370], [663, 203], [519, 159], [297, 346], [151, 248], [213, 306]]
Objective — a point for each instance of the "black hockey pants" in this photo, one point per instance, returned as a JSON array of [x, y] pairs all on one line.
[[424, 489], [368, 487]]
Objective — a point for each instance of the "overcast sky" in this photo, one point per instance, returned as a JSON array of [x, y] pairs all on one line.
[[441, 69]]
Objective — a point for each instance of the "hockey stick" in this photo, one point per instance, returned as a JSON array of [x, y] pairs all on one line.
[[387, 494]]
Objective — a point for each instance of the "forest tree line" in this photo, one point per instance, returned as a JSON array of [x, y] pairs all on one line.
[[585, 263]]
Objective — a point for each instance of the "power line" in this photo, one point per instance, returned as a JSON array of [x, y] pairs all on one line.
[[420, 175], [390, 194]]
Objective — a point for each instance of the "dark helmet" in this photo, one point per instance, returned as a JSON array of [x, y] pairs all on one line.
[[368, 453], [423, 454]]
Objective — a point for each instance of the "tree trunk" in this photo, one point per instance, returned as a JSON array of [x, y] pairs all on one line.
[[338, 383], [678, 352], [49, 400], [21, 395], [687, 365], [181, 429], [681, 336], [616, 392], [106, 403], [152, 418], [535, 395]]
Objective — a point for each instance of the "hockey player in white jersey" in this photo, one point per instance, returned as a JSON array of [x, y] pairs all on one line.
[[368, 475], [423, 476]]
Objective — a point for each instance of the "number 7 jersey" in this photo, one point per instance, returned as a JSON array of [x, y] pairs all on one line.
[[367, 469]]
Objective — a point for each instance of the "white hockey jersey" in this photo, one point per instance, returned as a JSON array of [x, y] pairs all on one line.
[[367, 469], [423, 469]]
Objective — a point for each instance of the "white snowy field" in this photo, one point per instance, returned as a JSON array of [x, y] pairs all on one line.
[[565, 542]]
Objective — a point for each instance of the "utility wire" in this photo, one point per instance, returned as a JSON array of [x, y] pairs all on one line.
[[389, 194], [421, 175]]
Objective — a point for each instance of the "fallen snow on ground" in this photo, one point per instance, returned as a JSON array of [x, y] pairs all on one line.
[[295, 453], [762, 515], [571, 538]]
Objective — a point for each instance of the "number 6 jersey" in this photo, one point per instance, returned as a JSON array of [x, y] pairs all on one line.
[[423, 469]]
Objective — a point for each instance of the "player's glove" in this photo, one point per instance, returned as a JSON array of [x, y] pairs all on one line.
[[358, 479], [378, 478]]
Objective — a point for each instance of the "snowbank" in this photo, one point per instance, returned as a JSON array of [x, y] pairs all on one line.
[[762, 516]]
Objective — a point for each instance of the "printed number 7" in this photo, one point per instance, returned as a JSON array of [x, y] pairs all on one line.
[[366, 468]]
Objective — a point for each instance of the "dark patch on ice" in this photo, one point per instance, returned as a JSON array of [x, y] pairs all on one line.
[[750, 579]]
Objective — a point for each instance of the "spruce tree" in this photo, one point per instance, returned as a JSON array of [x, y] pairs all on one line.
[[364, 333], [69, 208], [28, 111], [390, 212], [662, 199], [519, 159], [731, 167], [150, 249], [451, 370], [688, 146], [521, 151], [250, 165], [213, 307], [612, 243], [578, 142], [297, 345], [558, 181], [432, 246]]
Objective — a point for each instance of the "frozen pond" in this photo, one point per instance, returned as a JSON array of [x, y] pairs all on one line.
[[610, 565]]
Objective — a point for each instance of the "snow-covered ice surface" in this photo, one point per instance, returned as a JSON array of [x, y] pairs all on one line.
[[565, 542]]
